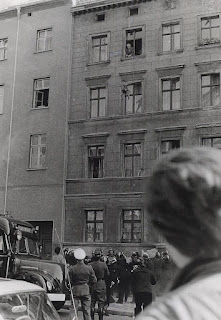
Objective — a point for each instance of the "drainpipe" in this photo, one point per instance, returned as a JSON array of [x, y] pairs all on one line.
[[68, 103], [12, 109]]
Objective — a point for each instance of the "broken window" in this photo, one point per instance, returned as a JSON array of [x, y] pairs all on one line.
[[3, 49], [169, 145], [94, 226], [210, 30], [96, 162], [171, 93], [37, 151], [210, 89], [133, 98], [134, 39], [132, 159], [99, 48], [132, 226], [214, 142], [171, 37], [44, 40], [41, 93], [98, 102]]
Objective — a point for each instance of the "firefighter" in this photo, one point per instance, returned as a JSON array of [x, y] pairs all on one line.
[[98, 292], [81, 276]]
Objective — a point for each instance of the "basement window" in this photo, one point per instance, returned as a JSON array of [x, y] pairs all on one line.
[[133, 11], [100, 17]]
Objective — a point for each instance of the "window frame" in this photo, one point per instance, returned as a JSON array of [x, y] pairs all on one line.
[[211, 137], [133, 8], [160, 96], [90, 48], [123, 144], [35, 92], [129, 83], [170, 23], [217, 71], [161, 92], [4, 48], [30, 167], [94, 87], [167, 139], [85, 211], [125, 30], [37, 39], [122, 210], [3, 98], [88, 163]]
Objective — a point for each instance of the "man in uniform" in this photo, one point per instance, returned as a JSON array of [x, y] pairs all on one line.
[[98, 292], [81, 276]]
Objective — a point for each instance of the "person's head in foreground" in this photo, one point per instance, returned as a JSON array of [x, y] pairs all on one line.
[[184, 202]]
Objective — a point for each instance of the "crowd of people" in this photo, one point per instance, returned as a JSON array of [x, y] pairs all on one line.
[[95, 279]]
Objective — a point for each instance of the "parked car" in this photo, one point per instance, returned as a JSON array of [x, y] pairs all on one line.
[[21, 300]]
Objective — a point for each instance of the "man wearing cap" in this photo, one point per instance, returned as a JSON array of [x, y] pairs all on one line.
[[81, 276], [98, 293]]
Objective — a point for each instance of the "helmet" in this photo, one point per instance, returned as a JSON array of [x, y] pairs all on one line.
[[97, 252], [79, 254]]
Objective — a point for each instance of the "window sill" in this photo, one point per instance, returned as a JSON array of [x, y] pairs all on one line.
[[85, 180], [36, 52], [161, 53], [168, 111], [39, 108], [98, 63], [134, 57], [3, 60], [37, 169], [208, 46]]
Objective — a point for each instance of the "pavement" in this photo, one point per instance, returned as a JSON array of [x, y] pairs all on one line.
[[126, 309], [64, 315]]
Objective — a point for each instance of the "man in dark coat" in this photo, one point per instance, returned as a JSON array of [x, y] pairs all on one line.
[[98, 291], [142, 279], [81, 276]]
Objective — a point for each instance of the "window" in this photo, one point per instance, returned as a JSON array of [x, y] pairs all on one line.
[[44, 40], [100, 17], [171, 37], [41, 93], [133, 98], [134, 42], [169, 145], [171, 93], [210, 30], [132, 159], [37, 151], [96, 162], [210, 89], [133, 11], [94, 226], [214, 142], [131, 226], [100, 48], [1, 99], [3, 49], [98, 102]]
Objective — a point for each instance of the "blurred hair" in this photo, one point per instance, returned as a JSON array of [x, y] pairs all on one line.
[[57, 250], [184, 200]]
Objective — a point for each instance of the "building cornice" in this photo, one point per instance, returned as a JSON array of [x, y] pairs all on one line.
[[106, 76], [174, 128], [9, 13], [137, 131], [132, 72], [179, 66], [95, 135], [203, 63], [104, 5], [207, 125], [42, 5]]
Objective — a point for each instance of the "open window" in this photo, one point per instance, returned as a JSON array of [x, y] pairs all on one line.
[[134, 42]]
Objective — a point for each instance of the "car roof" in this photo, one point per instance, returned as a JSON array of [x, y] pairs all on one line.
[[8, 286]]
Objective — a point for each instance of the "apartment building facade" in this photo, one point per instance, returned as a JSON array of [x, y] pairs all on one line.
[[34, 75], [145, 80]]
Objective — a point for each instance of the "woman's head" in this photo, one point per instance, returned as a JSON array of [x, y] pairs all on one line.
[[184, 201]]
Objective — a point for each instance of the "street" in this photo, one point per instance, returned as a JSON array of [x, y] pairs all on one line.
[[64, 314]]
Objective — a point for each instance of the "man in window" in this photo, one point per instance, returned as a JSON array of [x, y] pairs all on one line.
[[184, 203]]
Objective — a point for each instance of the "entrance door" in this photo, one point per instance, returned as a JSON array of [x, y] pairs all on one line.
[[45, 236]]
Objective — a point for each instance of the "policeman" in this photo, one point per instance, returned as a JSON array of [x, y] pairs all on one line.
[[81, 276], [98, 292]]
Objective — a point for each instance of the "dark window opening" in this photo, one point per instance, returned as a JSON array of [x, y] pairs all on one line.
[[134, 39], [96, 162], [100, 17], [29, 14], [133, 11], [169, 145]]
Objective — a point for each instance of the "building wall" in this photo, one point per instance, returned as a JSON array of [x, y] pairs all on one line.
[[114, 192], [38, 194]]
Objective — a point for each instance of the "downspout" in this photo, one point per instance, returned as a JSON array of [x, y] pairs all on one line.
[[12, 109], [67, 127]]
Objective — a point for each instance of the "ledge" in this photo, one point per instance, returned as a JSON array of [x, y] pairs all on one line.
[[90, 64], [179, 66], [208, 46], [136, 131], [97, 134], [207, 62], [207, 125], [132, 72], [170, 128], [133, 58], [98, 77], [161, 53], [41, 169]]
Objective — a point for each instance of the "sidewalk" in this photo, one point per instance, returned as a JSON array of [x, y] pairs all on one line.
[[125, 309]]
